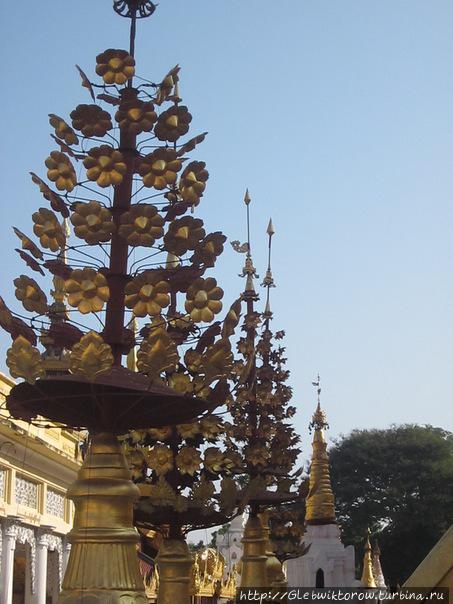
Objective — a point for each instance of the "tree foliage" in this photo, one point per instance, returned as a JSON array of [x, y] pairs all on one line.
[[399, 482]]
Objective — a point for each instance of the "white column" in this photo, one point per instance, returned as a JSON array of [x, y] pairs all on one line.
[[41, 568], [9, 546], [66, 552]]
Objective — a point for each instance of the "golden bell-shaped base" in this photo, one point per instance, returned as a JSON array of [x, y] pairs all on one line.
[[103, 564], [254, 558], [174, 563]]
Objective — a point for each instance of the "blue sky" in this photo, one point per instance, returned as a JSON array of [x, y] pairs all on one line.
[[338, 117]]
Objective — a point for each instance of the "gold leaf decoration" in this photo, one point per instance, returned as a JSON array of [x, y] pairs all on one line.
[[147, 294], [193, 182], [63, 130], [173, 123], [136, 116], [87, 290], [157, 353], [105, 166], [217, 361], [228, 495], [115, 66], [91, 120], [160, 459], [27, 244], [159, 168], [92, 222], [180, 382], [184, 234], [203, 300], [203, 491], [188, 430], [142, 225], [30, 294], [161, 494], [61, 171], [231, 320], [210, 426], [24, 360], [160, 433], [188, 460], [91, 356], [207, 250], [213, 460], [48, 229]]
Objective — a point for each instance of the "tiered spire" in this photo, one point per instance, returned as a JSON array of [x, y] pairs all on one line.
[[320, 503], [367, 579], [376, 564]]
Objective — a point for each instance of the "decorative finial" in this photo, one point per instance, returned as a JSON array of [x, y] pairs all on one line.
[[268, 280], [319, 419], [249, 270], [367, 579], [139, 9]]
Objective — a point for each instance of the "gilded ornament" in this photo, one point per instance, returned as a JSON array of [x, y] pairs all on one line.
[[160, 459], [213, 460], [210, 426], [257, 455], [192, 359], [193, 182], [92, 222], [203, 300], [161, 494], [105, 165], [24, 360], [207, 250], [6, 317], [203, 491], [173, 123], [30, 294], [188, 460], [136, 116], [142, 225], [217, 360], [188, 430], [157, 353], [87, 290], [63, 130], [228, 495], [184, 234], [91, 356], [61, 171], [200, 389], [91, 120], [48, 229], [159, 168], [27, 244], [160, 433], [115, 66], [180, 382], [147, 294]]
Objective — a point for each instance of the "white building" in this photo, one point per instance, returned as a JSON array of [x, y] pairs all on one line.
[[37, 465], [229, 544]]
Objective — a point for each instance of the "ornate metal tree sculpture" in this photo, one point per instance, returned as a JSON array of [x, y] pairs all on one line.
[[125, 183], [260, 410]]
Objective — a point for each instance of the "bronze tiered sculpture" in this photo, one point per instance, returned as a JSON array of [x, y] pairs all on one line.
[[125, 183]]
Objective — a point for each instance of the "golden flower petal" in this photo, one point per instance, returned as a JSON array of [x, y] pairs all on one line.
[[91, 356]]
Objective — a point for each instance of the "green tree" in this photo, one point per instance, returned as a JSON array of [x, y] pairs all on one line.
[[399, 482]]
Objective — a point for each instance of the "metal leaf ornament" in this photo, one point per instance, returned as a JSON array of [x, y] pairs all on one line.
[[157, 353], [91, 357], [24, 360]]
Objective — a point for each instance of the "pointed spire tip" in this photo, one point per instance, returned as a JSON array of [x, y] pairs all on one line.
[[270, 228], [247, 198]]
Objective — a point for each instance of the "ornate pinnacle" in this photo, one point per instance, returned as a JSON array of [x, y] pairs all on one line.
[[268, 280], [134, 8], [249, 270], [367, 579], [320, 503]]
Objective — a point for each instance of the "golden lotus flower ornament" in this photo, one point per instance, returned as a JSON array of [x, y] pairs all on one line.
[[24, 360], [173, 123], [188, 430], [91, 120], [87, 290], [147, 294], [105, 166], [142, 225], [188, 460], [184, 234], [61, 171], [49, 230], [91, 357], [203, 300], [63, 130], [30, 294], [207, 250], [160, 459], [193, 182], [159, 169], [136, 116], [92, 222], [157, 353], [180, 382], [115, 66]]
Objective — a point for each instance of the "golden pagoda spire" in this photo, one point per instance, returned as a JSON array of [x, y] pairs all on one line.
[[377, 569], [320, 503], [367, 579]]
